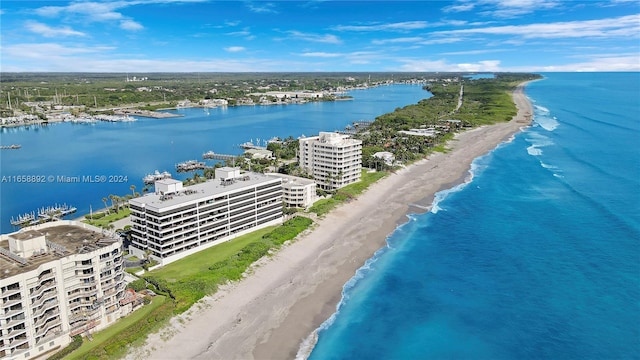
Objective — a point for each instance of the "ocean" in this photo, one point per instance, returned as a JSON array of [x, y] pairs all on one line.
[[537, 257], [119, 155]]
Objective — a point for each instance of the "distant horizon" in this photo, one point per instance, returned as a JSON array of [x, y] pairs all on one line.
[[176, 36], [311, 72]]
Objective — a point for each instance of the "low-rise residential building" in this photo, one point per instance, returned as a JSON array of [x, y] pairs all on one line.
[[175, 222], [297, 192], [385, 156], [57, 280], [334, 160]]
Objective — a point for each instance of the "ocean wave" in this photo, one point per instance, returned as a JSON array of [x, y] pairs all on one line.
[[541, 109], [537, 141], [307, 345], [534, 150], [547, 123], [441, 195]]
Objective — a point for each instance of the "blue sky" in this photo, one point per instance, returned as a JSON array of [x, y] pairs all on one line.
[[256, 36]]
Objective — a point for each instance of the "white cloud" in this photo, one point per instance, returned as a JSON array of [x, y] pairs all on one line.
[[397, 26], [262, 7], [321, 54], [444, 40], [501, 8], [328, 38], [470, 52], [443, 65], [130, 25], [47, 31], [624, 26], [459, 8], [93, 11], [610, 63], [234, 49], [397, 40], [47, 51]]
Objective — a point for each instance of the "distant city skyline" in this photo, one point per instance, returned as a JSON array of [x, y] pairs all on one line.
[[141, 36]]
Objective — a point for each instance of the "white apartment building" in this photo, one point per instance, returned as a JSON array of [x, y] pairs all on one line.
[[334, 160], [296, 191], [175, 222], [57, 280]]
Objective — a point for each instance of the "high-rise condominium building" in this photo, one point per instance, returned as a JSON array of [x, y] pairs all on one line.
[[57, 280], [175, 222], [334, 160]]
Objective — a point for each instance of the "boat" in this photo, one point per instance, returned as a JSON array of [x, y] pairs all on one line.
[[190, 165], [209, 155], [250, 145], [44, 214], [10, 147], [151, 178]]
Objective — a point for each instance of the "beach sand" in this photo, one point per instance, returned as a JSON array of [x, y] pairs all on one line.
[[286, 298]]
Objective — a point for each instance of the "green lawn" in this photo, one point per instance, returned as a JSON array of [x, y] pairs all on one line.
[[112, 331], [108, 219], [200, 261], [351, 191]]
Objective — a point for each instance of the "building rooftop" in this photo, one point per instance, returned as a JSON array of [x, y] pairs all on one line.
[[293, 180], [68, 238], [158, 201]]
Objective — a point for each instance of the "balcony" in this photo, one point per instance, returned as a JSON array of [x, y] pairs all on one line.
[[10, 303], [42, 288], [9, 292], [46, 317], [48, 325], [14, 317]]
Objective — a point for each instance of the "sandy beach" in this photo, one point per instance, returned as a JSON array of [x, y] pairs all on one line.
[[286, 297]]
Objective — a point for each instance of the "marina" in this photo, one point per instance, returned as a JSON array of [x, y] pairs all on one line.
[[136, 149], [44, 214], [190, 165]]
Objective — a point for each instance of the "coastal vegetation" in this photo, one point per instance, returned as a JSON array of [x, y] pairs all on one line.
[[455, 105], [347, 193], [112, 342], [182, 283], [39, 93]]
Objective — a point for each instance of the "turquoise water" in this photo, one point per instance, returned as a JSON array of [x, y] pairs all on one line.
[[538, 257], [126, 152]]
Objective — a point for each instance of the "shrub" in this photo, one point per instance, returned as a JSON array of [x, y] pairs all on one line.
[[76, 343]]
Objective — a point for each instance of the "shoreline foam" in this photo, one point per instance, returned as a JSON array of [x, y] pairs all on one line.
[[287, 297]]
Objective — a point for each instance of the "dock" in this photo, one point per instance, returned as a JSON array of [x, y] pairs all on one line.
[[210, 155], [190, 165], [44, 214], [10, 147]]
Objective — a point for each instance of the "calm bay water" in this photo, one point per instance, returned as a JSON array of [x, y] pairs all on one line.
[[538, 257], [134, 149]]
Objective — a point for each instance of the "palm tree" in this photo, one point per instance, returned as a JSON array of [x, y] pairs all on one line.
[[112, 198], [104, 200], [133, 189]]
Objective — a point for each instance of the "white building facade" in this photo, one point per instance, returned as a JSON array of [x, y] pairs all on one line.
[[334, 160], [176, 222], [57, 280], [296, 191]]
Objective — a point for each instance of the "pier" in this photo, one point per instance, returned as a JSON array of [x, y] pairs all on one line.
[[10, 147], [210, 155], [44, 214]]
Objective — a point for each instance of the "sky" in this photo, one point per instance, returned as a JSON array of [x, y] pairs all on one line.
[[318, 36]]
